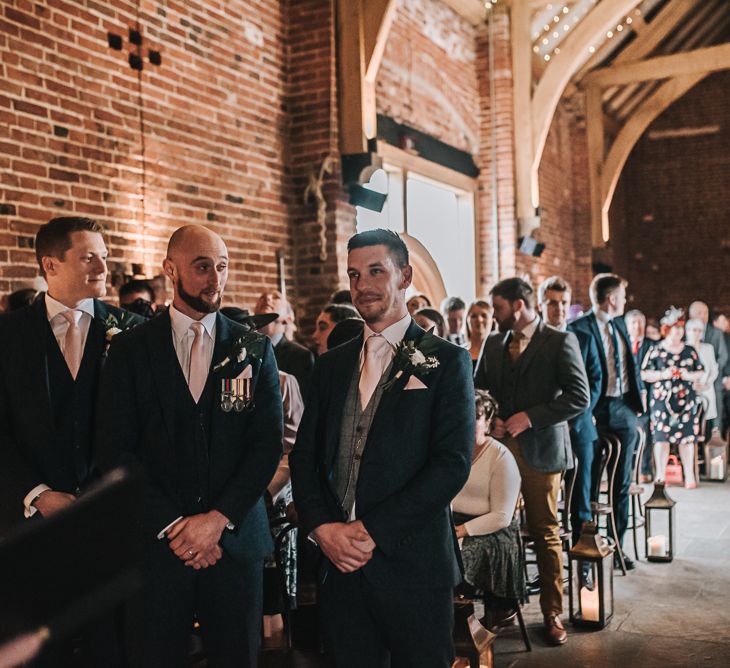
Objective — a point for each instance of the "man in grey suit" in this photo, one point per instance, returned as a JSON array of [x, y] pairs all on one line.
[[537, 375]]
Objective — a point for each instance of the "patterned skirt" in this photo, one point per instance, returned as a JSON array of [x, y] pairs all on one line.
[[494, 563]]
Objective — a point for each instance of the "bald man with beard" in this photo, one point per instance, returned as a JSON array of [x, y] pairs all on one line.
[[205, 527]]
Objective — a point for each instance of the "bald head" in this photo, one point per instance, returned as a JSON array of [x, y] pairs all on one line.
[[197, 265], [699, 311], [193, 236]]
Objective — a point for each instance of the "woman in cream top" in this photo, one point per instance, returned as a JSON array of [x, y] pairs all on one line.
[[491, 492]]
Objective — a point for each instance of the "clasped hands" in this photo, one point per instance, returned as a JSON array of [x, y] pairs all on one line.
[[514, 426], [194, 539], [348, 545]]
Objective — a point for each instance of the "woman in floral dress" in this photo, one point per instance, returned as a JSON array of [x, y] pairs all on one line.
[[672, 367]]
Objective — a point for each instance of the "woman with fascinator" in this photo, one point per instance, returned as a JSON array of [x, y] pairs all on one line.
[[673, 367]]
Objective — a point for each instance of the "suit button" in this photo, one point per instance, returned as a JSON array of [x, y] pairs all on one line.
[[358, 429]]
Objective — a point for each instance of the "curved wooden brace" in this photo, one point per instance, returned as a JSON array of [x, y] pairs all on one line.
[[427, 276], [630, 134], [573, 54]]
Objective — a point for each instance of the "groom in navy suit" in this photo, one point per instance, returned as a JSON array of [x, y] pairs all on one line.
[[383, 447], [167, 403]]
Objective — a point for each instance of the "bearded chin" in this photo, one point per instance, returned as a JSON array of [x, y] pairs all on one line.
[[196, 303]]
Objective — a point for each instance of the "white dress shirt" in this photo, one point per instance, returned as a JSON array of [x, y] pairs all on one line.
[[613, 387], [59, 325]]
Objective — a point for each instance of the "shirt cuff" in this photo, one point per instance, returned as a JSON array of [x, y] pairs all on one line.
[[162, 533], [28, 508]]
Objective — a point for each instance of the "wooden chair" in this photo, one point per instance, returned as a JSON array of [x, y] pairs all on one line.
[[609, 450], [636, 490]]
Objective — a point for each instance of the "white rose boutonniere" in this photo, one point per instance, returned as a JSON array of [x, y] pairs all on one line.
[[414, 359], [114, 325]]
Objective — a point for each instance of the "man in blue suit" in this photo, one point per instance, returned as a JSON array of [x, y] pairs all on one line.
[[620, 401], [171, 393], [554, 296], [383, 447]]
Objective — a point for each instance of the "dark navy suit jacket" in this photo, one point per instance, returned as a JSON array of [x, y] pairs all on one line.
[[589, 325], [137, 426], [417, 458], [31, 450], [583, 426]]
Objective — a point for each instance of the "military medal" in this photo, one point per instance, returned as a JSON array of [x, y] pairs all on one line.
[[236, 394]]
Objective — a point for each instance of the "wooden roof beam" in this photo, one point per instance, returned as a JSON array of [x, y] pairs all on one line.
[[704, 60]]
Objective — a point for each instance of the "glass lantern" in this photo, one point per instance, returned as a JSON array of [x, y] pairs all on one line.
[[659, 534], [590, 585]]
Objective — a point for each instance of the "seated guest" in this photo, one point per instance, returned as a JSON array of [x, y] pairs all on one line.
[[672, 367], [484, 514], [705, 386], [344, 331], [430, 318], [454, 310], [291, 357], [417, 302], [479, 320], [138, 297], [326, 321], [278, 501]]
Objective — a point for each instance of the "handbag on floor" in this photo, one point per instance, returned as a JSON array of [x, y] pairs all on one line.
[[673, 474]]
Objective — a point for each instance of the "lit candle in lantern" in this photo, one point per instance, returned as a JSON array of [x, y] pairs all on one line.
[[658, 546], [716, 472], [589, 604]]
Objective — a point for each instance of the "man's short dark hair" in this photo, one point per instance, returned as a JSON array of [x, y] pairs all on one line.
[[54, 238], [451, 304], [393, 242], [340, 312], [555, 283], [512, 289], [344, 331], [603, 285], [134, 286]]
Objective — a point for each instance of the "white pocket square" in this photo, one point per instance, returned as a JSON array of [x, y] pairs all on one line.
[[415, 384], [246, 373]]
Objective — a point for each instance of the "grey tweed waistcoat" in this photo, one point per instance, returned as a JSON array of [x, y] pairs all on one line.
[[354, 431]]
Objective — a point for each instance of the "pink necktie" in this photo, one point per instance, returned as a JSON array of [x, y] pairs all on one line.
[[372, 369], [198, 367], [72, 344]]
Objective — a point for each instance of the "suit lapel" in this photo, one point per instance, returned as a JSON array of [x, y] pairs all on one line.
[[162, 358], [37, 362], [498, 360], [536, 342], [593, 326], [390, 397]]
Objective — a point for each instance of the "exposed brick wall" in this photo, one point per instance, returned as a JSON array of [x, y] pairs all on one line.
[[671, 224], [227, 130], [428, 78], [564, 199], [198, 139]]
